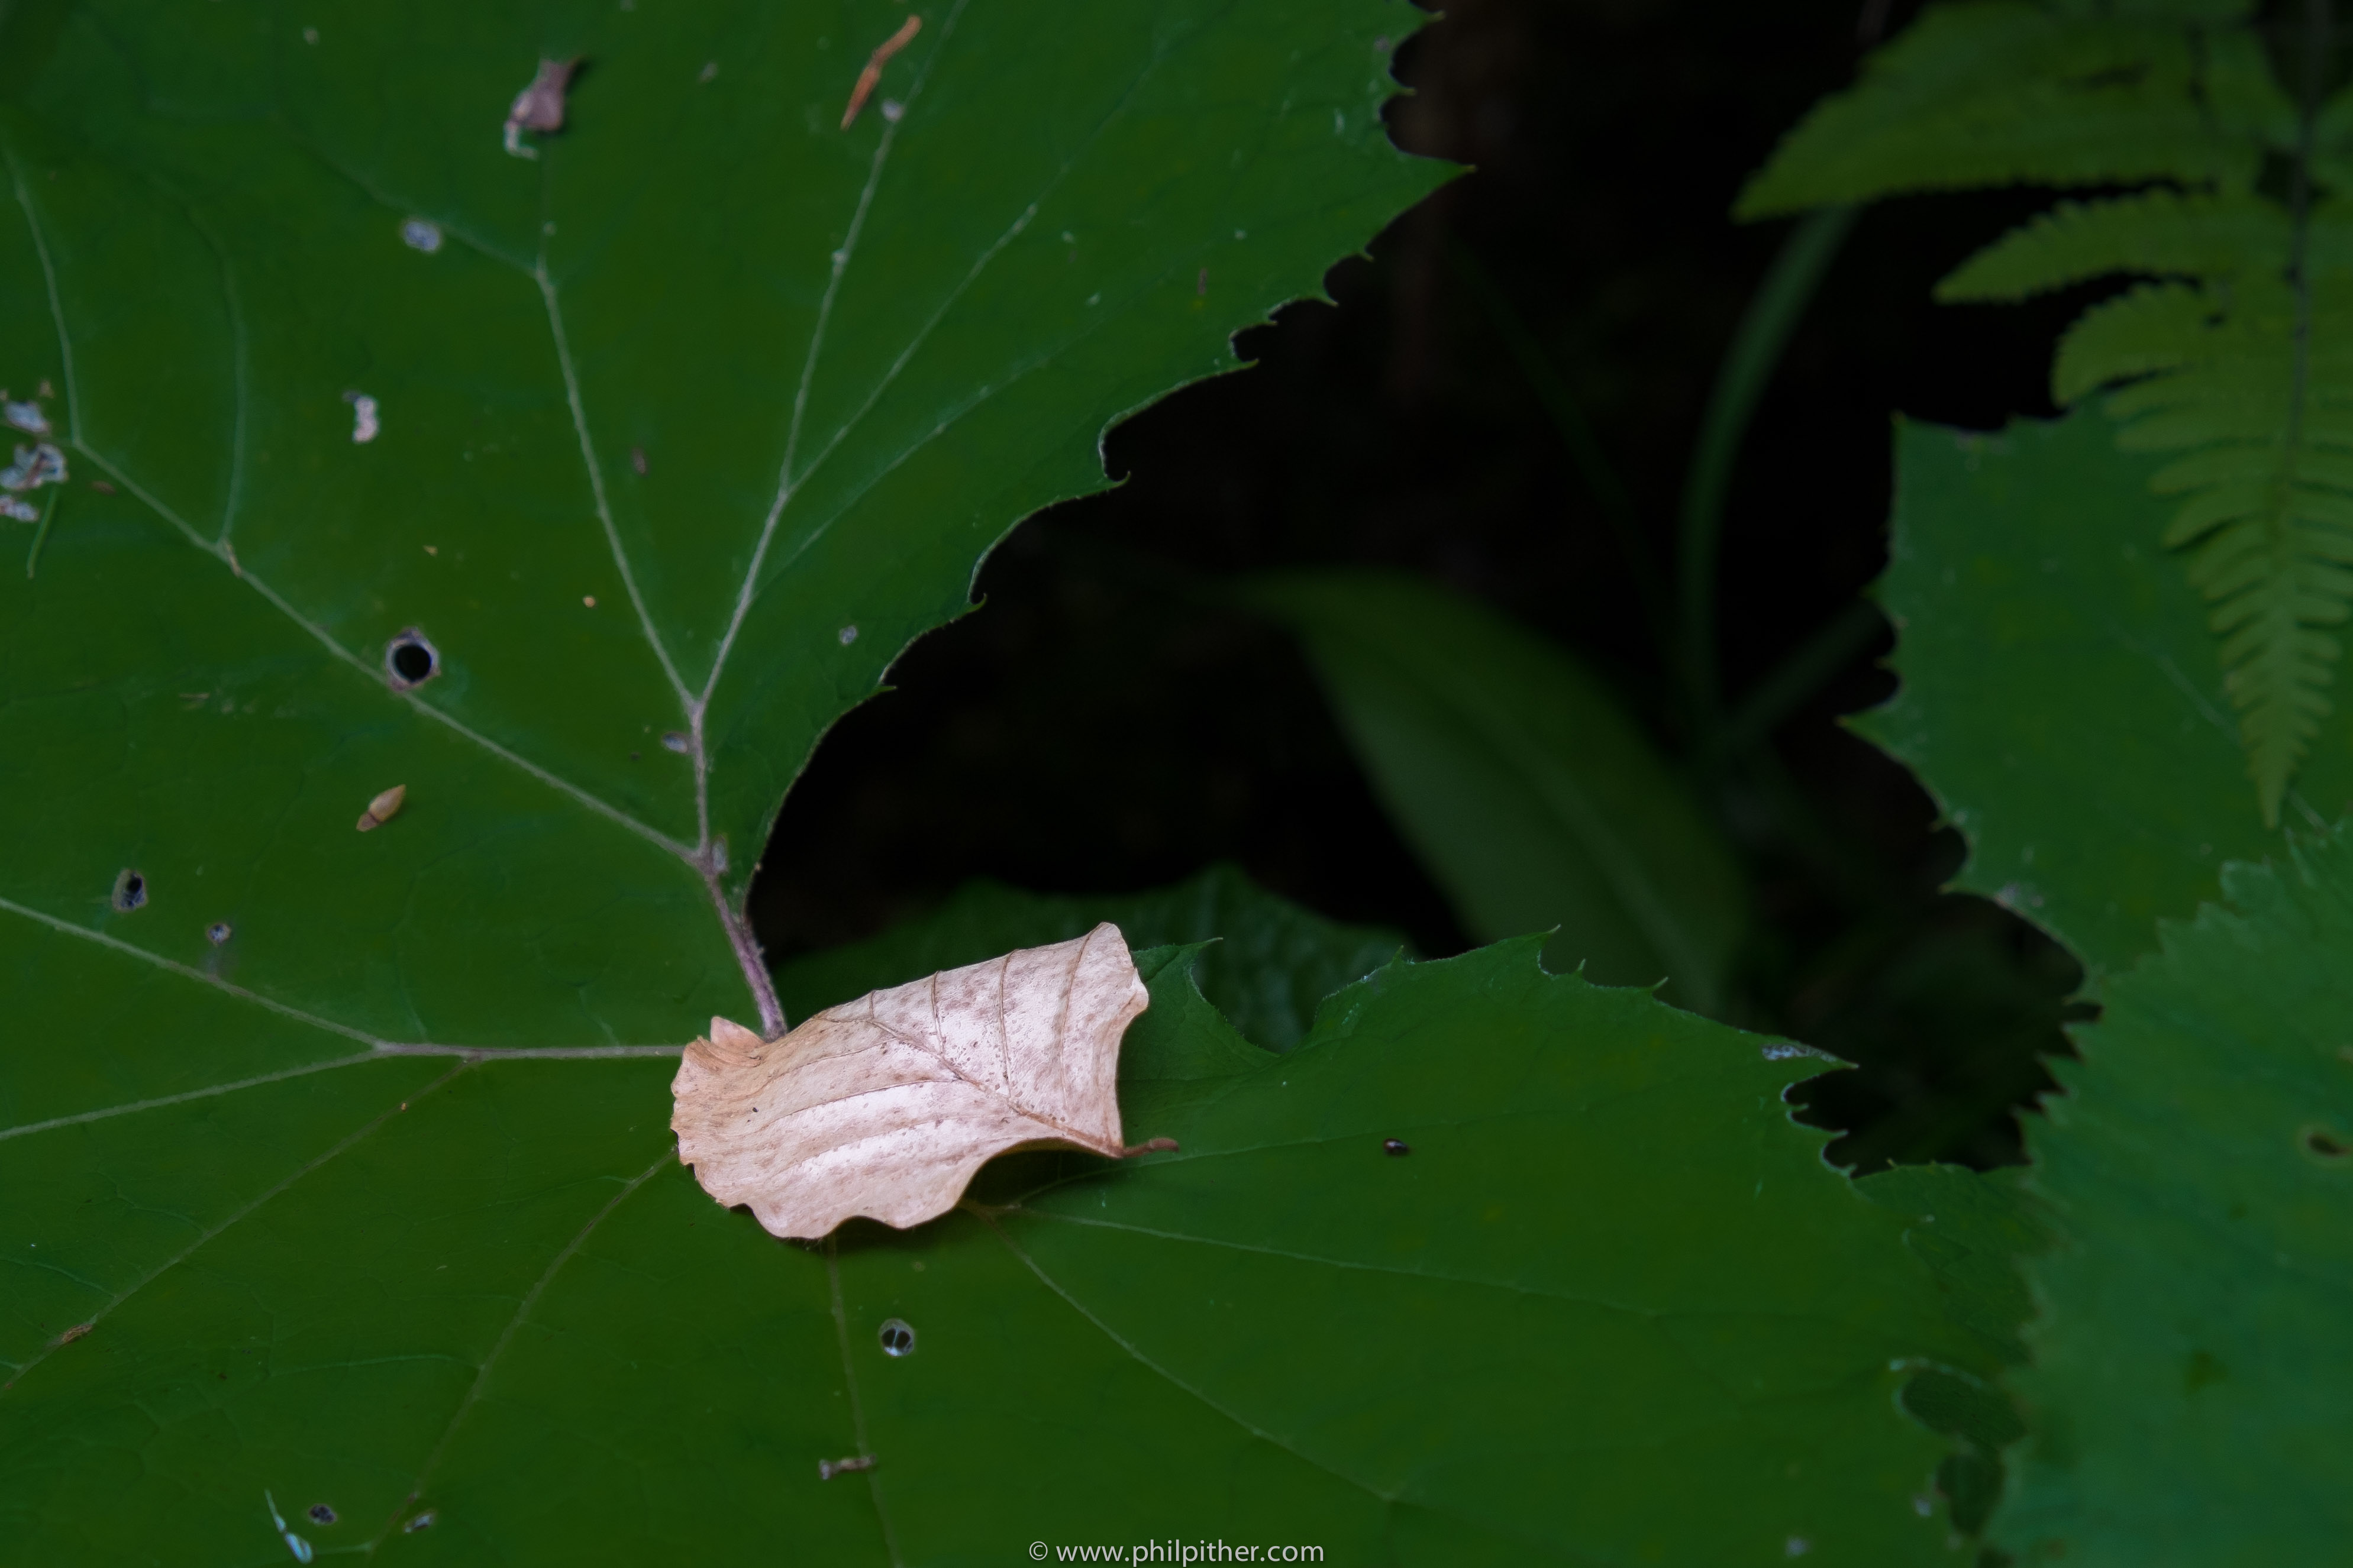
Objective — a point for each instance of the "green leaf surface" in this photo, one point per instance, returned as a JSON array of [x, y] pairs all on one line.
[[1270, 963], [2192, 1370], [676, 433], [1534, 800], [2061, 694], [1610, 1275]]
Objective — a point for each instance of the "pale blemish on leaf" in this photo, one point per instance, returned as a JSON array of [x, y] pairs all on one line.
[[24, 416], [294, 1543], [421, 234], [885, 1107], [829, 1468], [38, 465], [364, 425]]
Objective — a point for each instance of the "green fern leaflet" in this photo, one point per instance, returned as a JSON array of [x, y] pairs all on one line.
[[2235, 354]]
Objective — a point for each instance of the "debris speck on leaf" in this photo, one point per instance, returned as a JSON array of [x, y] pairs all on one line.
[[422, 1521], [101, 487], [20, 511], [674, 742], [886, 1106], [75, 1332], [130, 891], [322, 1514], [891, 110], [872, 74], [421, 234], [365, 428], [710, 70], [309, 34], [24, 416], [637, 458], [383, 808], [540, 106], [846, 635], [218, 934], [1396, 1147], [1201, 284], [829, 1468], [589, 600]]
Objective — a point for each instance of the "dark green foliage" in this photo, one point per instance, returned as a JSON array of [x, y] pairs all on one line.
[[1534, 799], [1268, 964], [2056, 698], [2235, 361], [2190, 1371]]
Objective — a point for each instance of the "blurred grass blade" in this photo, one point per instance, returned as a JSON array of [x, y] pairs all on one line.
[[1749, 365], [1577, 434], [1530, 795]]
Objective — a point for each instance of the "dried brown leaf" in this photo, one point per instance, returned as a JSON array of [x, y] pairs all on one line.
[[886, 1106]]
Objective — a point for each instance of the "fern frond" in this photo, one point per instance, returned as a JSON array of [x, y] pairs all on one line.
[[2004, 92], [2163, 231], [2155, 327], [2236, 357], [2213, 371]]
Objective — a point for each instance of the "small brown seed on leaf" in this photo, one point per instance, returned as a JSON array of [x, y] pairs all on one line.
[[383, 808]]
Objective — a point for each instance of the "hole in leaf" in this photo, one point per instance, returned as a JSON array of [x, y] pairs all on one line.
[[422, 1521], [218, 933], [674, 742], [898, 1338], [409, 662], [2326, 1144], [130, 891], [322, 1513]]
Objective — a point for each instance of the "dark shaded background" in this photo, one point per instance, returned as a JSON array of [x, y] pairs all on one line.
[[1103, 726]]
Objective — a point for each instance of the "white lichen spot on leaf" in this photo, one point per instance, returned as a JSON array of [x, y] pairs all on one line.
[[887, 1106]]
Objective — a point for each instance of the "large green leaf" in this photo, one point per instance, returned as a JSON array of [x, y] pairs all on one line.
[[2061, 694], [2192, 1369], [1610, 1275], [686, 426], [1269, 965], [1532, 797]]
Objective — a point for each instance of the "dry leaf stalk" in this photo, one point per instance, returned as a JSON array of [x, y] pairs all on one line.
[[886, 1106]]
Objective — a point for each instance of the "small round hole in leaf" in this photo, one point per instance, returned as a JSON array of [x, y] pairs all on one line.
[[409, 662], [898, 1338], [218, 933], [322, 1514], [130, 890]]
